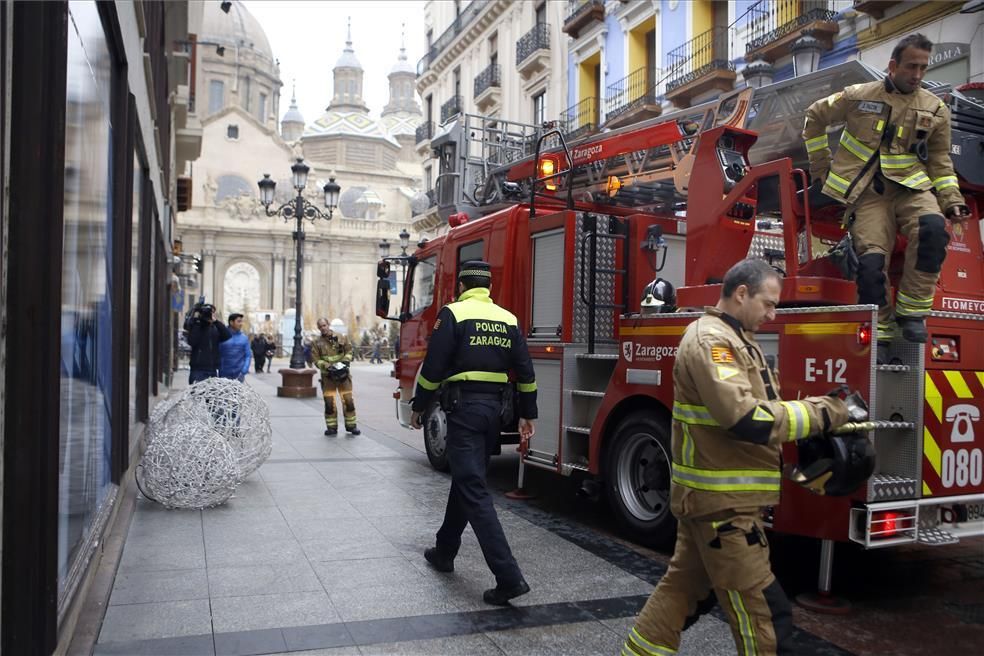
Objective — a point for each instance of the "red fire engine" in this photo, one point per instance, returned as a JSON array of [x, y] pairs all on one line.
[[575, 233]]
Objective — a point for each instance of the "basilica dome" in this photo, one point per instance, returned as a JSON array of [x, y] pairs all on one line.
[[238, 28]]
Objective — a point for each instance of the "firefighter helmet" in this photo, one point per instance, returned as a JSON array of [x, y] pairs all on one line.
[[338, 326], [833, 465], [338, 371], [663, 293]]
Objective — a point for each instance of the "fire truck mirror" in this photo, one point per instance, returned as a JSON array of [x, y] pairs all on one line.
[[383, 270], [383, 298]]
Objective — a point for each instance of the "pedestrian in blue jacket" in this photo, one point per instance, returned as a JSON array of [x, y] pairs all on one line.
[[235, 354]]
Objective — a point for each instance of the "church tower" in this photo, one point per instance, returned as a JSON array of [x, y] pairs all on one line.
[[292, 125], [348, 80], [402, 80]]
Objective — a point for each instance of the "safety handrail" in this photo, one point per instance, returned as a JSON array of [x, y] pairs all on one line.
[[536, 171]]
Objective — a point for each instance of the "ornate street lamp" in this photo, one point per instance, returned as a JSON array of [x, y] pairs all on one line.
[[384, 249], [758, 74], [806, 54], [404, 241], [298, 209]]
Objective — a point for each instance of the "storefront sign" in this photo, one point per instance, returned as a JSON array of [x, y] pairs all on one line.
[[944, 53]]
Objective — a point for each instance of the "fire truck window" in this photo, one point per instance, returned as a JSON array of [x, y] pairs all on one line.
[[472, 251], [422, 291]]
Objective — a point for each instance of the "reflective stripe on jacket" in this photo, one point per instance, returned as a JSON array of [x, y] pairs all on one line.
[[326, 351], [884, 131], [729, 423]]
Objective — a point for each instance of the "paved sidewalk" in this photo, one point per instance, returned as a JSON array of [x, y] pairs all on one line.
[[320, 552]]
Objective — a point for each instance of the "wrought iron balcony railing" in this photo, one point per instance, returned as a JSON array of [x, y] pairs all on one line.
[[767, 21], [639, 87], [581, 13], [425, 131], [580, 119], [536, 39], [448, 36], [487, 79], [698, 57], [451, 108]]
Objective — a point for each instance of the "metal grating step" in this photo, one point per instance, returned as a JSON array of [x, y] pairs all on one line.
[[889, 486], [582, 430], [897, 368], [936, 537], [597, 356]]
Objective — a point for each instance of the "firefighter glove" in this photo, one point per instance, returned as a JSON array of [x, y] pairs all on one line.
[[958, 213], [857, 409]]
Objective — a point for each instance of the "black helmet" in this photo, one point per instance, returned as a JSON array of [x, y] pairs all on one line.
[[339, 371], [663, 291], [834, 465]]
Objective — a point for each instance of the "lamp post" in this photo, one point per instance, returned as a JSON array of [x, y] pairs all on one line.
[[806, 54], [298, 209], [384, 249], [404, 241]]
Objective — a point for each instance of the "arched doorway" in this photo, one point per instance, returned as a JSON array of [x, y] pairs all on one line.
[[241, 290]]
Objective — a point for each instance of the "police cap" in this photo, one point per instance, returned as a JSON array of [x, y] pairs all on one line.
[[475, 269]]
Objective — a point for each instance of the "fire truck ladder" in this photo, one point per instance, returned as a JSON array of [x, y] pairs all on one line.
[[617, 232]]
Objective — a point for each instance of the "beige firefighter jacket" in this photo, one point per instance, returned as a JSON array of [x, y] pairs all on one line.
[[326, 351], [729, 423], [883, 131]]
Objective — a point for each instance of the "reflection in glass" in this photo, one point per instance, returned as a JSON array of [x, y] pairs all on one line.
[[422, 292], [135, 285], [86, 336]]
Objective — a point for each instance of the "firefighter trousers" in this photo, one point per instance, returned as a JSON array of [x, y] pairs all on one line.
[[725, 560], [329, 388], [473, 435], [882, 211]]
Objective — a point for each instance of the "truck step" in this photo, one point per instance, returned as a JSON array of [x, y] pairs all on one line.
[[582, 430], [889, 486], [936, 537], [897, 368], [596, 395]]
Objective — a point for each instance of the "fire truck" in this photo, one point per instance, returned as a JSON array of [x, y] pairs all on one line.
[[574, 233]]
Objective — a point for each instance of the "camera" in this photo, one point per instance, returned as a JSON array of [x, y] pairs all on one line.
[[202, 312]]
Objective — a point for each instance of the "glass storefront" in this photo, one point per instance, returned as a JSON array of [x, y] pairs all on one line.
[[86, 311], [138, 176]]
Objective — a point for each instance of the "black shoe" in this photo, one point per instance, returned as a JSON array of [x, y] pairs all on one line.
[[883, 356], [500, 596], [353, 430], [914, 329], [331, 432], [437, 561]]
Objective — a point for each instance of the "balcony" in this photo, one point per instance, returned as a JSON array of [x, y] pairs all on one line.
[[634, 98], [582, 14], [451, 108], [488, 88], [874, 8], [580, 120], [449, 35], [425, 131], [533, 51], [699, 66], [769, 27]]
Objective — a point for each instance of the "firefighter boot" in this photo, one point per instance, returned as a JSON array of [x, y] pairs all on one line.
[[914, 329], [331, 432]]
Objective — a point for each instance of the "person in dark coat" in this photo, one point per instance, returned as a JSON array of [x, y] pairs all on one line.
[[204, 335], [259, 347]]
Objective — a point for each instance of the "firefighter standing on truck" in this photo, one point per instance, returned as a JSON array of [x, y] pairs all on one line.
[[728, 427], [894, 153], [474, 345], [331, 353]]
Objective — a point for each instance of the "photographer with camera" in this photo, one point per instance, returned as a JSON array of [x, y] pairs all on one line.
[[331, 353], [204, 336]]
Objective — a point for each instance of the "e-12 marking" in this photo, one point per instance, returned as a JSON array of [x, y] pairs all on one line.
[[831, 371]]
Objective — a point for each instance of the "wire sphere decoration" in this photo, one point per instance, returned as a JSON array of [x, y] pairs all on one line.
[[203, 443]]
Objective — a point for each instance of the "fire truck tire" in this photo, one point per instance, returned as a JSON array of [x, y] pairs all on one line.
[[637, 478], [435, 437]]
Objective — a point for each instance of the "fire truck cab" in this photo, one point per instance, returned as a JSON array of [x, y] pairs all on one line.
[[575, 232]]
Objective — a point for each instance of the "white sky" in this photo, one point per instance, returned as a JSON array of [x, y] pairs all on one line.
[[308, 37]]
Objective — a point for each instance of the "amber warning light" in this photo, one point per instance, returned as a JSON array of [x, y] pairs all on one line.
[[864, 334], [548, 166]]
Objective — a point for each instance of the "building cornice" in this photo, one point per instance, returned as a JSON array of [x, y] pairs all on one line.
[[468, 36]]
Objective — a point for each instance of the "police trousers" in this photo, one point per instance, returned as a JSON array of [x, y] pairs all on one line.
[[726, 560], [473, 435], [885, 209], [329, 388]]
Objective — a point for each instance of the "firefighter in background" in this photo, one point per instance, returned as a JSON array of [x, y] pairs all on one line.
[[474, 345], [728, 427], [894, 153], [331, 353]]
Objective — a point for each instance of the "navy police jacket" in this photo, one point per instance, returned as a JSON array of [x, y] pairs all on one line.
[[476, 343]]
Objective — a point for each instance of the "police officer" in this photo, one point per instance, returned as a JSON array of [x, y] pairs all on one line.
[[474, 344], [329, 348], [728, 427], [894, 154]]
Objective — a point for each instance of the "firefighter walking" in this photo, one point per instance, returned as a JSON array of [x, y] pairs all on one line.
[[894, 153], [728, 426], [474, 345], [331, 353]]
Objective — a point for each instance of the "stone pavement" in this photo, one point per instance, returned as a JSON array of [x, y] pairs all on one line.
[[320, 552]]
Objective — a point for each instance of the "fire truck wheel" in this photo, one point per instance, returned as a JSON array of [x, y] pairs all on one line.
[[637, 478], [435, 437]]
